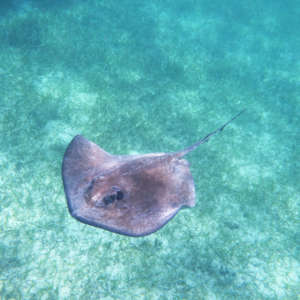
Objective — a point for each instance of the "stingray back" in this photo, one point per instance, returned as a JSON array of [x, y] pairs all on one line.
[[153, 188]]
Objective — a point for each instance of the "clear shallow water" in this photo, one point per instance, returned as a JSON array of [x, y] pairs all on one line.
[[138, 77]]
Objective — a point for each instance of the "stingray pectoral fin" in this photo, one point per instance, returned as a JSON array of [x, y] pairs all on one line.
[[83, 160]]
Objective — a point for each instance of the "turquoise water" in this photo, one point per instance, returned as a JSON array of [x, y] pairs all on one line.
[[152, 76]]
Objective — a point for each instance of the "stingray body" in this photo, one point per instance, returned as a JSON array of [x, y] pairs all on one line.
[[133, 195]]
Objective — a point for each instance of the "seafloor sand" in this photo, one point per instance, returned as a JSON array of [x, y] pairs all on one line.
[[152, 76]]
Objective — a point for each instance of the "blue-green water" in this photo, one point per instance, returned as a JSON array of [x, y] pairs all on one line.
[[152, 76]]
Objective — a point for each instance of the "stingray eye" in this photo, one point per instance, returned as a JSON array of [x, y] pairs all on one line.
[[109, 198], [112, 196], [119, 195]]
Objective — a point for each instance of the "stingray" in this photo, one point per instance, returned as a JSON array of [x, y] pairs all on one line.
[[132, 195]]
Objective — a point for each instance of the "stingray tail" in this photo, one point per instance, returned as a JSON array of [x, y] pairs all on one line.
[[191, 148]]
